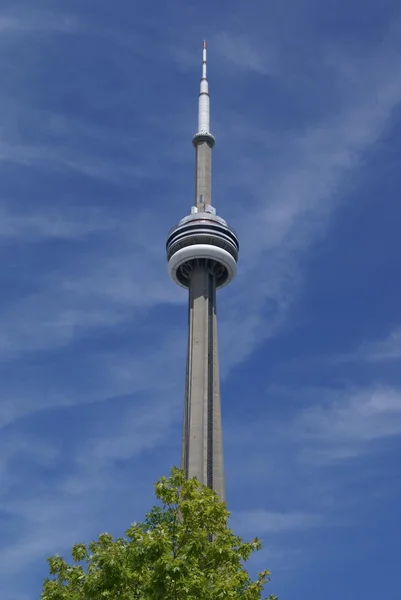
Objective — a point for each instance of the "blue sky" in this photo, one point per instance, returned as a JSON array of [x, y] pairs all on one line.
[[98, 107]]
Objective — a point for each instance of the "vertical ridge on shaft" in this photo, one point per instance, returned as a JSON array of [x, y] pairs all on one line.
[[210, 382]]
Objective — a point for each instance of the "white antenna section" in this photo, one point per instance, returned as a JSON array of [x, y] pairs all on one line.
[[204, 98]]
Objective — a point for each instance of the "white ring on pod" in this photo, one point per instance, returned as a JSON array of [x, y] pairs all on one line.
[[202, 251]]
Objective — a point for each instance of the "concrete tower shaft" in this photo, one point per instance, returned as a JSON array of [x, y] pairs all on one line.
[[202, 254], [202, 445]]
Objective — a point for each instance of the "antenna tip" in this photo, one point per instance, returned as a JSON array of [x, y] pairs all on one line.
[[204, 44]]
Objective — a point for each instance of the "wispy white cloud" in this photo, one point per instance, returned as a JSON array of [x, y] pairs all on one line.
[[243, 51], [57, 515], [312, 461], [38, 21], [354, 419], [113, 374], [292, 194], [138, 411], [41, 529], [61, 158], [50, 224], [40, 452], [308, 466], [332, 425], [104, 288], [385, 349], [265, 522]]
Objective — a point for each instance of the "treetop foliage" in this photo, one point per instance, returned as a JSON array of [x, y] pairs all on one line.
[[184, 550]]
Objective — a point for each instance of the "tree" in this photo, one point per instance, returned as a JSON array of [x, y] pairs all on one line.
[[184, 550]]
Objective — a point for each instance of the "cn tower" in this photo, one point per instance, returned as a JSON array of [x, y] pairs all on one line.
[[202, 254]]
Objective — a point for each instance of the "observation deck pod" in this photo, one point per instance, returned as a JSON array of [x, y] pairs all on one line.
[[202, 238]]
